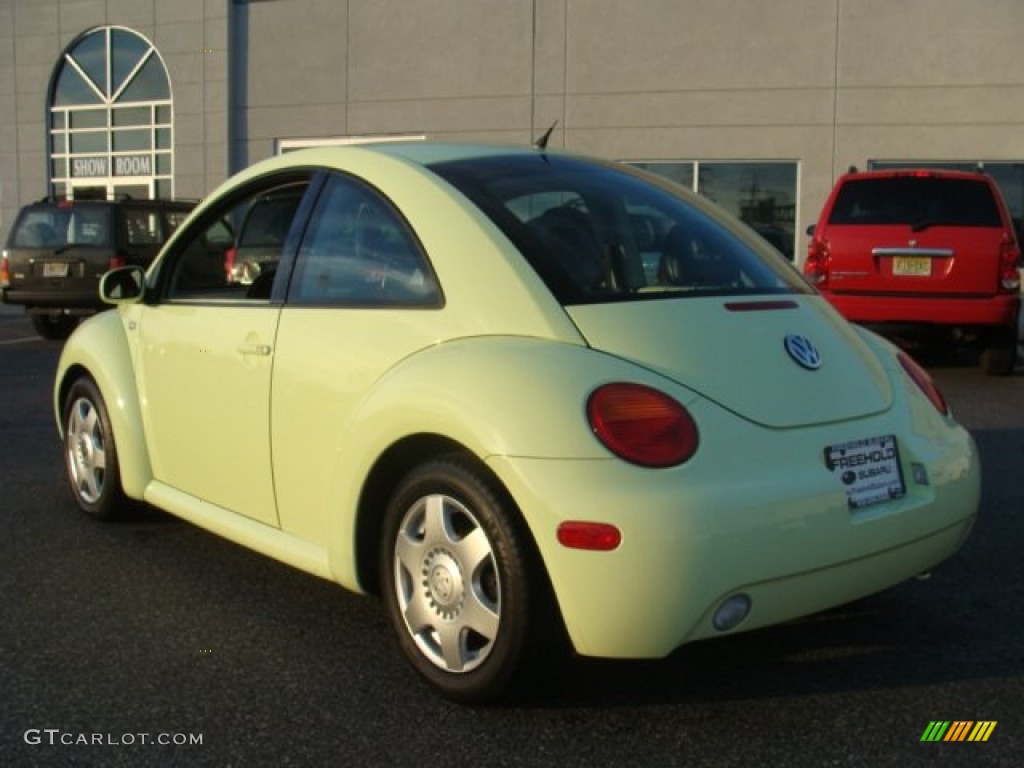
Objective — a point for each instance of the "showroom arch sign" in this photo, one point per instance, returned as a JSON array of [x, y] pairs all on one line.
[[111, 118]]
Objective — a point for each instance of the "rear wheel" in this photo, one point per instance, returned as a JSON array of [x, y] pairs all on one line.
[[458, 582], [90, 455], [54, 327], [999, 356]]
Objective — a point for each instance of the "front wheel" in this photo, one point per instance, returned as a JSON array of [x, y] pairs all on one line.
[[90, 455], [458, 581]]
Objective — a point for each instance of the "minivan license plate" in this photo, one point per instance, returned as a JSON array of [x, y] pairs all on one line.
[[55, 269], [918, 266], [868, 469]]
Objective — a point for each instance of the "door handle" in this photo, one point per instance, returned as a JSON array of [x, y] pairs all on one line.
[[263, 350]]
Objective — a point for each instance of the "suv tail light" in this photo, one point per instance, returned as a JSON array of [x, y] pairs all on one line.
[[924, 382], [642, 425], [5, 269], [230, 256], [1009, 258], [816, 268]]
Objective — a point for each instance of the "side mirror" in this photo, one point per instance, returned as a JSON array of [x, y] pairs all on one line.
[[124, 285]]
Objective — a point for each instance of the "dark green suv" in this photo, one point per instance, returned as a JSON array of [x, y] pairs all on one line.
[[58, 249]]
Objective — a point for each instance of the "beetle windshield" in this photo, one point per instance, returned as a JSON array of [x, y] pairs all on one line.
[[598, 233]]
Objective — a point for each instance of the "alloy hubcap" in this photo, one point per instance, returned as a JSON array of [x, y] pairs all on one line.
[[86, 452], [446, 583]]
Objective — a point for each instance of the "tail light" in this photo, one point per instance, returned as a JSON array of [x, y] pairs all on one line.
[[230, 256], [642, 425], [116, 261], [5, 269], [1009, 258], [816, 268], [924, 382]]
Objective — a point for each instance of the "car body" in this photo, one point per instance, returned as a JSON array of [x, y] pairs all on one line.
[[58, 249], [922, 253], [461, 389]]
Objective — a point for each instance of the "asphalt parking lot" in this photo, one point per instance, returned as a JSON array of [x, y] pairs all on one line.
[[117, 637]]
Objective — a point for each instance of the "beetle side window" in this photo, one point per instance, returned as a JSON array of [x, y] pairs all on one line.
[[358, 251], [219, 262]]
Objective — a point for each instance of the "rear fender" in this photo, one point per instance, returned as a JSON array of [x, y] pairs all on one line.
[[493, 397]]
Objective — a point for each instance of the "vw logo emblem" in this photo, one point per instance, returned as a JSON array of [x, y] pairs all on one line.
[[803, 351]]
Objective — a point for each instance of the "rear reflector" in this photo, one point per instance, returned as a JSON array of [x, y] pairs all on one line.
[[597, 537]]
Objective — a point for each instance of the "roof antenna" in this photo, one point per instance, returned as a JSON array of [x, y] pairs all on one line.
[[542, 142]]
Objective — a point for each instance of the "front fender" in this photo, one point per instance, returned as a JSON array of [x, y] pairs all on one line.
[[99, 348]]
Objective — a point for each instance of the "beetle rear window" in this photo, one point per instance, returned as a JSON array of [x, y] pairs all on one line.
[[601, 233]]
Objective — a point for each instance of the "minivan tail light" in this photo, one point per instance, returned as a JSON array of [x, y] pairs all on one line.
[[5, 269], [1009, 258], [642, 425], [816, 268], [924, 382]]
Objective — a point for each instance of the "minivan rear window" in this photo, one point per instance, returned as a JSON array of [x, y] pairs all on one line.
[[916, 201]]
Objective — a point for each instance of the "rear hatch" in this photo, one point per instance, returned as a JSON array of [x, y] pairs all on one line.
[[61, 249], [916, 233], [734, 351]]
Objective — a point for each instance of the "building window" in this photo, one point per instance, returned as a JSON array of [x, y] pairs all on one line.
[[1009, 177], [762, 194], [111, 130]]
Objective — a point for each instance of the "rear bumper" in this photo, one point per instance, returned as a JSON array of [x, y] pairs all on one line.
[[993, 311], [75, 303], [757, 515]]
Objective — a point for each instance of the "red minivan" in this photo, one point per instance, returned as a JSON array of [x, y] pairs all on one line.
[[922, 254]]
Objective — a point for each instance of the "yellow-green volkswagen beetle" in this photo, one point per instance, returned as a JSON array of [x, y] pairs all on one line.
[[498, 386]]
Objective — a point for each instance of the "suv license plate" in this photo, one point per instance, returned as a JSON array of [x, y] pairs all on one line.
[[868, 469], [55, 269], [918, 266]]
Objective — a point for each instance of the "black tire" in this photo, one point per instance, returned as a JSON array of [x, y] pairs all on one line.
[[459, 580], [54, 327], [90, 455], [999, 357]]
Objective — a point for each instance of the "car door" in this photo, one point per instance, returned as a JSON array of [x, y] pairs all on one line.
[[362, 296], [206, 353]]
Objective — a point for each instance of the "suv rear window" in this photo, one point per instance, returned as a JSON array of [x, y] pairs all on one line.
[[61, 226], [916, 201]]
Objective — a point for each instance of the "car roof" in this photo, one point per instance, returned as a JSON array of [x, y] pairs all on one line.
[[420, 153], [922, 173]]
